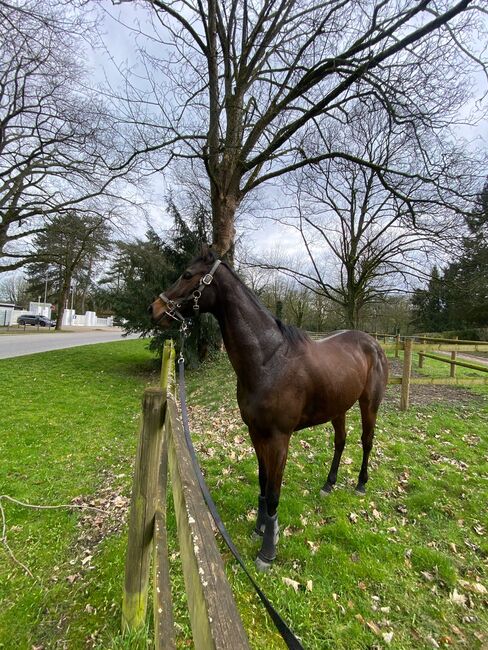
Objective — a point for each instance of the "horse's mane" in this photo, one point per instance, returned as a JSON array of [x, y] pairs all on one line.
[[294, 335]]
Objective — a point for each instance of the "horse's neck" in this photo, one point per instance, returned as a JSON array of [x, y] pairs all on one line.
[[251, 335]]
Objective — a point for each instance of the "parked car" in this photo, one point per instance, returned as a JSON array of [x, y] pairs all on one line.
[[35, 319]]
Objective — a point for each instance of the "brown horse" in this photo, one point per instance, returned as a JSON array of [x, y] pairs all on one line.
[[285, 381]]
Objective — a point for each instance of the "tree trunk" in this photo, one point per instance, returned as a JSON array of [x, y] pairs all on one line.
[[62, 297], [351, 310], [224, 209]]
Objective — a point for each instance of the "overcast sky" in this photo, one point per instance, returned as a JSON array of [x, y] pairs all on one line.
[[121, 50]]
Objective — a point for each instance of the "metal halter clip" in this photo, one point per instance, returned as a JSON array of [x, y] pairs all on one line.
[[196, 298]]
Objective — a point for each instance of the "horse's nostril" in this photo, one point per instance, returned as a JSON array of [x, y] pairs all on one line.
[[150, 310]]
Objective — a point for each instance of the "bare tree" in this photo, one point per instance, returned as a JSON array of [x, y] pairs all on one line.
[[13, 288], [361, 238], [240, 86], [57, 141]]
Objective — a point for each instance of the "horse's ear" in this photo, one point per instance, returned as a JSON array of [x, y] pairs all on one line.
[[207, 254]]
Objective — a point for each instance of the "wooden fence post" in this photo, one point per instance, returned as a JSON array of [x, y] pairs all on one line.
[[421, 360], [142, 510], [407, 370], [397, 346], [164, 632], [166, 364], [453, 358], [214, 618]]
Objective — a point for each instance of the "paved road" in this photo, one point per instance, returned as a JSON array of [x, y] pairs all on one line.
[[17, 345]]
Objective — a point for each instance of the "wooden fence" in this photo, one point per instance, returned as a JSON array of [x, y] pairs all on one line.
[[162, 454], [425, 347]]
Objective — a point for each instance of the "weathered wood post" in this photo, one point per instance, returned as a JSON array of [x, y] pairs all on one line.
[[166, 364], [453, 358], [421, 360], [164, 631], [142, 510], [397, 346], [214, 618], [407, 371]]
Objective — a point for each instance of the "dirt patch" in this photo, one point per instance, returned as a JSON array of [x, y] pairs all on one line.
[[425, 394], [105, 514]]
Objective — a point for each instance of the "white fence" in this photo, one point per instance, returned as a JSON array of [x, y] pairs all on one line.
[[89, 319]]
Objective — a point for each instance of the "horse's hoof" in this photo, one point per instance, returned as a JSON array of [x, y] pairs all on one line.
[[326, 490], [256, 535], [360, 491], [262, 566]]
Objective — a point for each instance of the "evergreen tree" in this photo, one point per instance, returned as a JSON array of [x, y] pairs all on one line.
[[429, 305], [66, 252], [466, 278], [144, 267]]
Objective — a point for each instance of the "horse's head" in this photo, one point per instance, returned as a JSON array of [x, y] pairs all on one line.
[[192, 291]]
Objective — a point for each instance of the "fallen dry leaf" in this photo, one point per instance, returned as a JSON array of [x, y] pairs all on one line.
[[291, 583], [457, 598], [373, 627], [314, 547], [445, 640], [387, 637], [474, 587], [428, 576]]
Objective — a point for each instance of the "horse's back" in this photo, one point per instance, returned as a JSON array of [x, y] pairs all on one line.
[[354, 358]]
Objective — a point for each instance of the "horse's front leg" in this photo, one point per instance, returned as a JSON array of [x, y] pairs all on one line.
[[273, 452], [262, 508]]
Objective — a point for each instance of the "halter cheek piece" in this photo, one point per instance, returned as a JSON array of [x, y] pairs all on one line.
[[172, 305]]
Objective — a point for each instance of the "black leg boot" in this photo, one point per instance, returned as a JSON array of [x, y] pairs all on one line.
[[270, 538]]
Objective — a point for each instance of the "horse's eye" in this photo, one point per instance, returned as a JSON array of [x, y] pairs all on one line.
[[186, 275]]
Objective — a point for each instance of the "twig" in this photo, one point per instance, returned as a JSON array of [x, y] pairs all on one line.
[[3, 538]]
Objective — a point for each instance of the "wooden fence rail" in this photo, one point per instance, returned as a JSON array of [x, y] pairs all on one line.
[[425, 346], [163, 454]]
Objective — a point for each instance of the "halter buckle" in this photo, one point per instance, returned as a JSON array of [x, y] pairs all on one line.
[[207, 279]]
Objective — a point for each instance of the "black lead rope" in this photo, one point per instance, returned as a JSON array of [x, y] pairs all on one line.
[[290, 639]]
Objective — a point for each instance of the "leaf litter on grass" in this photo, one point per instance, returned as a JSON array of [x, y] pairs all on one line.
[[412, 515]]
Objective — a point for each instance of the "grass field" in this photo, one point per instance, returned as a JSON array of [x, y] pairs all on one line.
[[67, 435], [403, 567]]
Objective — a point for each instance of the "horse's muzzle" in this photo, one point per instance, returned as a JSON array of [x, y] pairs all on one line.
[[157, 312]]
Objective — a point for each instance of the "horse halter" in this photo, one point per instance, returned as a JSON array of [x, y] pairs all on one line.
[[173, 305]]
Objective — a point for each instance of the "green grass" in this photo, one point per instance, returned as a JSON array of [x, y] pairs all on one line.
[[68, 431], [402, 560], [408, 559]]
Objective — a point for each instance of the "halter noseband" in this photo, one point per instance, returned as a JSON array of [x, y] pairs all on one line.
[[173, 305]]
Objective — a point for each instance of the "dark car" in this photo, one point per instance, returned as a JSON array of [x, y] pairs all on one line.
[[35, 319]]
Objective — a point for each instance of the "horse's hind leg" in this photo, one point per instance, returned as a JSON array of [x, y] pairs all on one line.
[[369, 411], [339, 425]]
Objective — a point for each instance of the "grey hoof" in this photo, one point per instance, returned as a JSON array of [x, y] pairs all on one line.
[[262, 566], [326, 490], [256, 534], [360, 491]]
